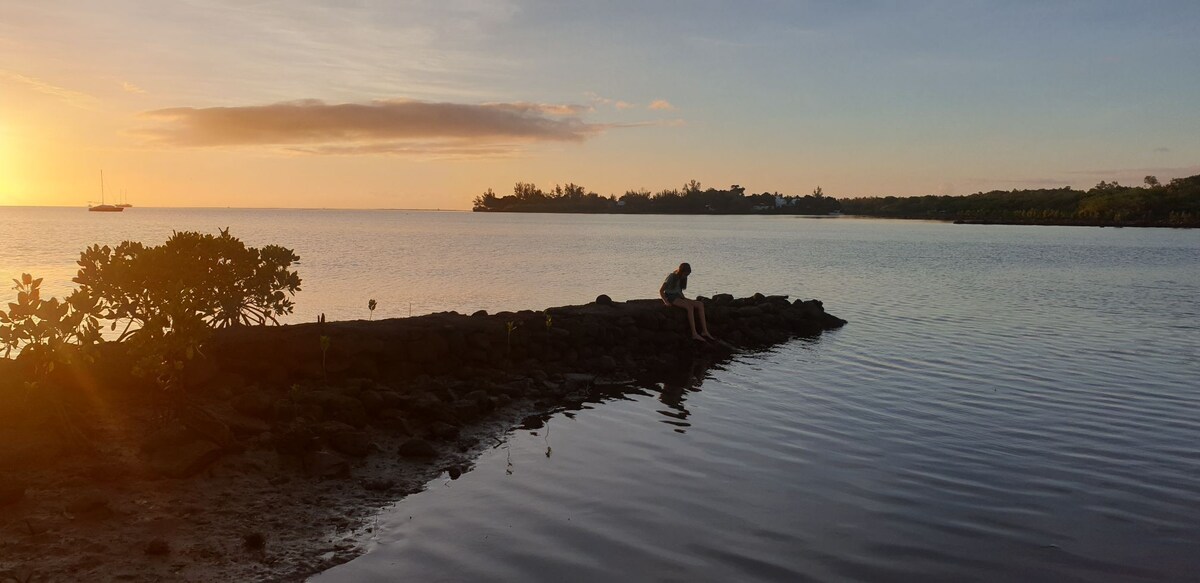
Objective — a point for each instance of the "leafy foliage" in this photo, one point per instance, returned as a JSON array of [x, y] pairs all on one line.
[[43, 330], [168, 298], [189, 281]]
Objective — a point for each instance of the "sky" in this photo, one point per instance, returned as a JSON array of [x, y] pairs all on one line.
[[424, 105]]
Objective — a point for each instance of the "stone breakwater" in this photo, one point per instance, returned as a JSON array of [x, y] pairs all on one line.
[[322, 391], [604, 337], [287, 433]]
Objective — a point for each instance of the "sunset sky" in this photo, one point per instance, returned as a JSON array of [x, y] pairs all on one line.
[[374, 104]]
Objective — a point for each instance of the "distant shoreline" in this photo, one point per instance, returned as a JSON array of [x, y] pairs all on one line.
[[1175, 204]]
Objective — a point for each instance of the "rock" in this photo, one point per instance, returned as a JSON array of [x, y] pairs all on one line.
[[395, 420], [722, 299], [89, 505], [466, 410], [200, 372], [607, 363], [578, 382], [454, 472], [205, 424], [11, 491], [380, 485], [604, 300], [157, 548], [480, 314], [254, 403], [417, 448], [325, 464], [242, 426], [372, 401], [254, 541], [184, 460], [443, 431], [352, 443], [297, 439], [284, 411], [335, 406]]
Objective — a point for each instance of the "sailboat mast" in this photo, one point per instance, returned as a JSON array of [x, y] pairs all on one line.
[[101, 187]]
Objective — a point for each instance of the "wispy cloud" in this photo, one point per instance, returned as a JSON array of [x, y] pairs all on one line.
[[661, 105], [128, 87], [401, 127], [1161, 150], [68, 96], [1169, 171]]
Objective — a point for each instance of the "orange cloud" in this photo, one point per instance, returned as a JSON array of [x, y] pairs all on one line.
[[393, 126], [131, 88], [661, 105]]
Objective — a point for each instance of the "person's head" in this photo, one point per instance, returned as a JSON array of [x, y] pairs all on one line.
[[684, 269]]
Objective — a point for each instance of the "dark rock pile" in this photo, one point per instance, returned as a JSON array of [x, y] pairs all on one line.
[[316, 392], [601, 338]]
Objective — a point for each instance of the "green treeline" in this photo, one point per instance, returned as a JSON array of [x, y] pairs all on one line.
[[1175, 204], [690, 200]]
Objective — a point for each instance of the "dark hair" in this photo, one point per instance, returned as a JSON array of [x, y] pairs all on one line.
[[683, 270]]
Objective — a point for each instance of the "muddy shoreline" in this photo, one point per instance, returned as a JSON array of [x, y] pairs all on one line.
[[290, 439]]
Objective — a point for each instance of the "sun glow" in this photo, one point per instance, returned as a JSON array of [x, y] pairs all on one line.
[[8, 167]]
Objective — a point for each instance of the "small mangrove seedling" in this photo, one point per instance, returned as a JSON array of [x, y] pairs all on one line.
[[371, 305], [510, 326], [325, 342]]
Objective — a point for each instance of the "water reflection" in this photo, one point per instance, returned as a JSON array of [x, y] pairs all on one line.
[[671, 386]]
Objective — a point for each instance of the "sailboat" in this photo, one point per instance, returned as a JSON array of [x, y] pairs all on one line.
[[124, 204], [104, 208]]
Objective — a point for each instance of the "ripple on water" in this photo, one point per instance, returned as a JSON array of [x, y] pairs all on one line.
[[1007, 403]]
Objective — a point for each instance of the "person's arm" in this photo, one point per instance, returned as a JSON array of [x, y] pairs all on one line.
[[662, 290]]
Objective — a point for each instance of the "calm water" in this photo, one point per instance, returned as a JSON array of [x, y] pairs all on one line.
[[1006, 404]]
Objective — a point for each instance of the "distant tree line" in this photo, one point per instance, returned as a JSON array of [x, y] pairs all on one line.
[[691, 199], [1175, 204]]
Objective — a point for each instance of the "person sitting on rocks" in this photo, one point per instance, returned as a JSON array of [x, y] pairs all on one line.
[[671, 293]]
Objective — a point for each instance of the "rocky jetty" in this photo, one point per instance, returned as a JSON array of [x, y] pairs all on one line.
[[299, 429], [604, 337]]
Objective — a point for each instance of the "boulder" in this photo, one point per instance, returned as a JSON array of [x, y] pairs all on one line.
[[325, 464], [417, 448], [205, 424], [353, 443], [443, 431], [184, 460], [89, 505], [335, 406], [254, 403]]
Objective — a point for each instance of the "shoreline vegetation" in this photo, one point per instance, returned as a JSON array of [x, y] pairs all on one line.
[[199, 441], [1108, 204]]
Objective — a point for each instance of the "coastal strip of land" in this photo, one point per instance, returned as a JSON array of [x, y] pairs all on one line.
[[1175, 203], [288, 439]]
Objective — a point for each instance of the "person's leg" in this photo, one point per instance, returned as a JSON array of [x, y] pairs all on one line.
[[703, 321], [686, 304]]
